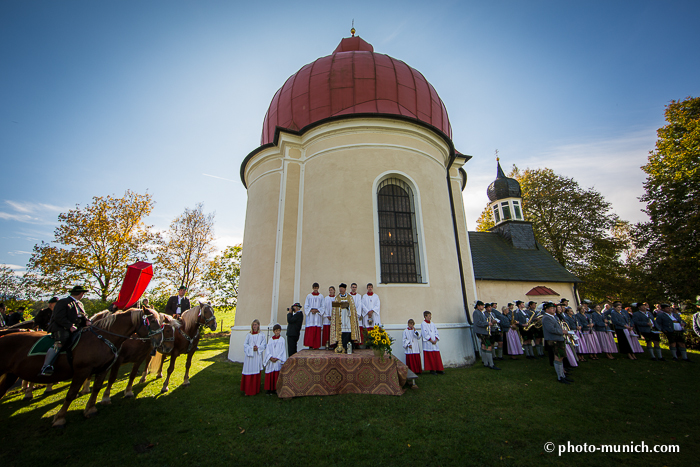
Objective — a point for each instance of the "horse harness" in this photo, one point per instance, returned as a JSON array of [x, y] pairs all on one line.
[[192, 340], [113, 348]]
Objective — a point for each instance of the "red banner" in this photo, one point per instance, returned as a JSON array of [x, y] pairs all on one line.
[[138, 276]]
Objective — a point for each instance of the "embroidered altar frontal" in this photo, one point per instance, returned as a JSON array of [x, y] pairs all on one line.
[[326, 373]]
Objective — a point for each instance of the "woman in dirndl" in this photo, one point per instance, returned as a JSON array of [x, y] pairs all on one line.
[[603, 330]]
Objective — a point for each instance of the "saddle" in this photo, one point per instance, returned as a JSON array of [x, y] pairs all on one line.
[[42, 346]]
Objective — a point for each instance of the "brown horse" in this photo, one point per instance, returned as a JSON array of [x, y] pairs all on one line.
[[94, 354], [136, 351], [186, 340]]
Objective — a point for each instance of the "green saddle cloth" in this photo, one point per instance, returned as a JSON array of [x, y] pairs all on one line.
[[45, 343]]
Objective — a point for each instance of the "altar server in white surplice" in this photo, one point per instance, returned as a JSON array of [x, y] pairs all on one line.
[[411, 347], [313, 309], [275, 356], [327, 311], [432, 360], [370, 309], [253, 349]]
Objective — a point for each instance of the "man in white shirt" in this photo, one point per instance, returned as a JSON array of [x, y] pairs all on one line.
[[178, 304]]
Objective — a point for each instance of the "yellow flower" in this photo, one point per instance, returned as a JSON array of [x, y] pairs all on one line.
[[384, 341]]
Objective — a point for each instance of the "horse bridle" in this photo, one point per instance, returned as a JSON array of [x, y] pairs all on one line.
[[199, 326]]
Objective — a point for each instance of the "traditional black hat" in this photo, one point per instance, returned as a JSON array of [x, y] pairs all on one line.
[[665, 305], [297, 305], [563, 300], [77, 290], [53, 299], [518, 302], [479, 303], [531, 302], [548, 305], [182, 287]]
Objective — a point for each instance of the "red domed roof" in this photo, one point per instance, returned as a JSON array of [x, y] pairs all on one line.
[[354, 80]]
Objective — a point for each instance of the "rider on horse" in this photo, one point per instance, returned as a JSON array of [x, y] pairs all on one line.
[[68, 315]]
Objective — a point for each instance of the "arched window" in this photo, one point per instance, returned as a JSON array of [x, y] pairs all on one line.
[[398, 234]]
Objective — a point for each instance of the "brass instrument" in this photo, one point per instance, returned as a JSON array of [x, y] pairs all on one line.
[[534, 321], [568, 337]]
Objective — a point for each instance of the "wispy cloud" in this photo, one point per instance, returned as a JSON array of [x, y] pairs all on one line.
[[19, 252], [29, 207], [220, 178]]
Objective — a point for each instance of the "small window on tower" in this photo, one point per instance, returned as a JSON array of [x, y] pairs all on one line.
[[506, 211], [496, 215], [516, 210]]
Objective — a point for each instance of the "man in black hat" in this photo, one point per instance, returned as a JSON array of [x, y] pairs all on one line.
[[178, 304], [294, 321], [673, 326], [16, 317], [67, 315], [43, 317]]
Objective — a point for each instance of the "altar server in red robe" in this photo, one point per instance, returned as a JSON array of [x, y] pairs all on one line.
[[327, 312], [253, 349], [275, 356], [431, 352], [411, 347], [313, 308]]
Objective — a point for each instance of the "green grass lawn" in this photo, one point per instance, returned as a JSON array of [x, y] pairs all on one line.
[[469, 416]]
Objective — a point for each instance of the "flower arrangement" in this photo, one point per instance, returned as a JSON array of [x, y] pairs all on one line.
[[378, 340]]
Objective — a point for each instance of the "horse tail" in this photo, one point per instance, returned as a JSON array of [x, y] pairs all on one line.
[[155, 363]]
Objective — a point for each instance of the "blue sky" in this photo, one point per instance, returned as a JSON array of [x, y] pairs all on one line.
[[169, 97]]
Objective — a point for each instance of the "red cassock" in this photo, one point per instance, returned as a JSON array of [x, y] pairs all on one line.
[[413, 362], [271, 380], [312, 337], [433, 360], [250, 384], [326, 334]]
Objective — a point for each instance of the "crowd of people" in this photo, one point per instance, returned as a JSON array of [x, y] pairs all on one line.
[[356, 316], [571, 336], [554, 330]]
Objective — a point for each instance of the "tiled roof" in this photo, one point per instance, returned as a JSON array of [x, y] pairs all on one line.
[[541, 290], [495, 258]]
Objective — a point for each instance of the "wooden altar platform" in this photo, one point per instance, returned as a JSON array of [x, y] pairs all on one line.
[[325, 373]]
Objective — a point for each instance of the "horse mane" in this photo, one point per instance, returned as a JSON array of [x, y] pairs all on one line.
[[169, 320], [105, 319], [189, 318], [101, 315]]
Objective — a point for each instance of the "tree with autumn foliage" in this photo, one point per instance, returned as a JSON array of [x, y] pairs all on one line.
[[184, 251], [223, 275], [93, 245], [671, 237]]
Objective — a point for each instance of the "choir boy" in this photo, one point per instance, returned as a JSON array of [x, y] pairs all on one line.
[[411, 347], [314, 306], [253, 349], [275, 356], [431, 351]]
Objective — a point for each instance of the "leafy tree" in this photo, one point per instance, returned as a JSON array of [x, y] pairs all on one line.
[[183, 253], [93, 245], [10, 285], [672, 197], [223, 275]]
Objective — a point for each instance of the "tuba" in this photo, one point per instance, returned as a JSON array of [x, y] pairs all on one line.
[[568, 337]]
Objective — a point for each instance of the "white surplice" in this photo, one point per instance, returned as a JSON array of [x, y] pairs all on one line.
[[276, 348], [328, 310], [411, 337], [429, 331], [253, 361], [314, 301], [370, 302]]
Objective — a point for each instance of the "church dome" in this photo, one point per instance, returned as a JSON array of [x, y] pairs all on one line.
[[354, 80], [503, 187]]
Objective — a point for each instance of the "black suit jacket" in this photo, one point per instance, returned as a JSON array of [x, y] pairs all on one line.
[[66, 313], [42, 318], [294, 321], [171, 306]]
